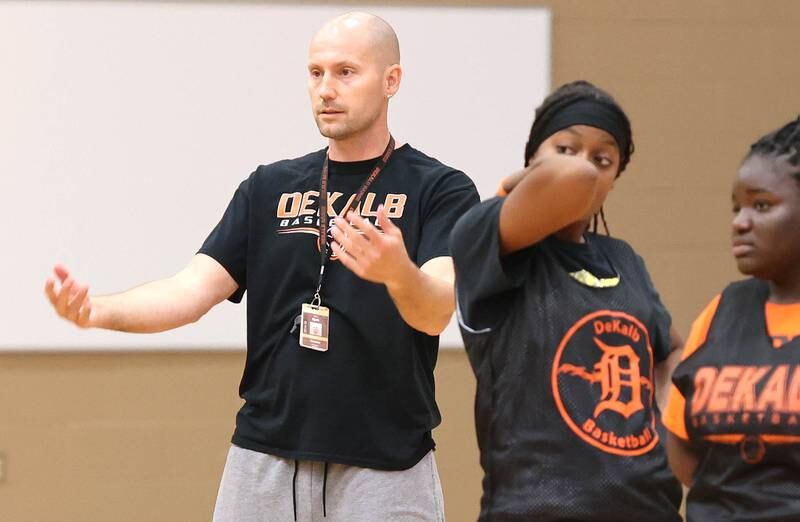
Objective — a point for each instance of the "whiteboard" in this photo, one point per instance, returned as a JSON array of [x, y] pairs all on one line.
[[125, 128]]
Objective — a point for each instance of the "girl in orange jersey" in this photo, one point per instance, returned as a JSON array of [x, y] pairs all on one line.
[[734, 409]]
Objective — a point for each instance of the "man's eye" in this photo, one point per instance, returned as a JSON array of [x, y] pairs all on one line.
[[761, 206], [564, 149]]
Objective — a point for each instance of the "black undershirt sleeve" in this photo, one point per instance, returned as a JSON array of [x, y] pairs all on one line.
[[485, 281], [227, 243]]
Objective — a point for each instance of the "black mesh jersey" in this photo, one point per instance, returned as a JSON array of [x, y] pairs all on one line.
[[565, 412], [742, 414], [369, 400]]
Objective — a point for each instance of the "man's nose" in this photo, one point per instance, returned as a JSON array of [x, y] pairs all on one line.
[[326, 89]]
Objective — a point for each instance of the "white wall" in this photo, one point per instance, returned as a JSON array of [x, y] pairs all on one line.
[[125, 128]]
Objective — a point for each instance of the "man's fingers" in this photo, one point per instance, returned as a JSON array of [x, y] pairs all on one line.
[[344, 239], [77, 301], [358, 243], [63, 296], [384, 221], [50, 290], [62, 272], [70, 300], [350, 238], [347, 260], [364, 226], [341, 225], [74, 291], [83, 316]]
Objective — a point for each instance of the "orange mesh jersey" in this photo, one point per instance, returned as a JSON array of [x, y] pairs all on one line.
[[783, 326], [736, 399]]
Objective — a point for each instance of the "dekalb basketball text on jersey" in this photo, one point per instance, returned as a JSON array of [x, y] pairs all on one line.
[[615, 411]]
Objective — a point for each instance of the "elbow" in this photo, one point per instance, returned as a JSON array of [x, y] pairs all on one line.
[[198, 313], [197, 308], [686, 480], [586, 180], [579, 171], [681, 458], [436, 326], [433, 330], [583, 178], [431, 323], [683, 475], [578, 182]]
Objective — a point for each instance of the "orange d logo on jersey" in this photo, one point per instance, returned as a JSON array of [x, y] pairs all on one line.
[[618, 369], [602, 383]]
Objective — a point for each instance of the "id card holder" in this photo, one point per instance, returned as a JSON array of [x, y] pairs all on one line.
[[314, 327]]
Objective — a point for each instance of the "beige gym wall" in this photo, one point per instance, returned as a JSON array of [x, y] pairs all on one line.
[[96, 437]]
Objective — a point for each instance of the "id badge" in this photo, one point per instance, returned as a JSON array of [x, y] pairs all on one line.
[[314, 326]]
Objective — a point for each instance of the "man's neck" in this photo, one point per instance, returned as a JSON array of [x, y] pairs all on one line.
[[357, 148]]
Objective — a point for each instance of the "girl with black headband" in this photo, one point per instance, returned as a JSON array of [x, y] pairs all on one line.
[[567, 337], [734, 410]]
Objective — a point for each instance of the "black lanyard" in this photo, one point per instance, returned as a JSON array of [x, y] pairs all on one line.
[[322, 209]]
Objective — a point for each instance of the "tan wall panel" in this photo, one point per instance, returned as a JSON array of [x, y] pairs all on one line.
[[115, 436], [700, 81], [134, 437]]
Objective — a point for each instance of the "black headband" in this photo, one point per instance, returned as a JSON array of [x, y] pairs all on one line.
[[585, 112]]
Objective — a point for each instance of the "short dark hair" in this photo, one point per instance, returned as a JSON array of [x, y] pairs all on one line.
[[568, 94], [782, 142]]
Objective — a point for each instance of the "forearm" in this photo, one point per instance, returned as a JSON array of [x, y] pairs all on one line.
[[168, 303], [509, 183], [662, 378], [153, 307], [682, 459], [424, 301], [553, 194], [663, 370]]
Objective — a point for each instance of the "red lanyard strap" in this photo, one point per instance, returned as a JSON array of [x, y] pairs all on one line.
[[322, 209]]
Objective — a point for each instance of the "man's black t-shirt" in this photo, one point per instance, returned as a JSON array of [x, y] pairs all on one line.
[[565, 413], [369, 400]]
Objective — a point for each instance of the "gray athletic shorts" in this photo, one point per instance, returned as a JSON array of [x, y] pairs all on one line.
[[264, 488]]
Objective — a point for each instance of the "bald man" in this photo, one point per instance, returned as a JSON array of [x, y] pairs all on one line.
[[342, 334]]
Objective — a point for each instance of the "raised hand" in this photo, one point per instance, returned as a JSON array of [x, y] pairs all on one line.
[[368, 253], [69, 298]]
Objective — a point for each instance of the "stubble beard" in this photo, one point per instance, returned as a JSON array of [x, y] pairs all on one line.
[[335, 131], [346, 129]]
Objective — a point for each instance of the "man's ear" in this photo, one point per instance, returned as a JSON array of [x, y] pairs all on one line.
[[392, 77]]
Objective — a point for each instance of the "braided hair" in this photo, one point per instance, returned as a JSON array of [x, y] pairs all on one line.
[[782, 142], [564, 96]]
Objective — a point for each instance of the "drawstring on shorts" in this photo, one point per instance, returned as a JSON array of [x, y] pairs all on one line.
[[294, 491], [324, 489]]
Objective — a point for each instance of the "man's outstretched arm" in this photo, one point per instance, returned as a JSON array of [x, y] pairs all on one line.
[[153, 307]]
